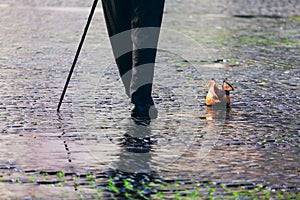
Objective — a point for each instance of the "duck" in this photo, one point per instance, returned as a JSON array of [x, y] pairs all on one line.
[[217, 95]]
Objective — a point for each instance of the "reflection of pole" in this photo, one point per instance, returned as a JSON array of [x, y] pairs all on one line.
[[77, 52], [62, 127]]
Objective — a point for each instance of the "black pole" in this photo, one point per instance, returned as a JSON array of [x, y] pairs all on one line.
[[77, 53]]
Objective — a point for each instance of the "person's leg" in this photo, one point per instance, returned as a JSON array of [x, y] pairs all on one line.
[[146, 22], [117, 15]]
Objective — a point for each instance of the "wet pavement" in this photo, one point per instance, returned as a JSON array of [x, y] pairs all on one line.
[[93, 150]]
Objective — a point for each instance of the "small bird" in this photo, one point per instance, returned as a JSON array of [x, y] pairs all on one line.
[[216, 95]]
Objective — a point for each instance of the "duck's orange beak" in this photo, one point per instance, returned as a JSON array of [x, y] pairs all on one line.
[[227, 86]]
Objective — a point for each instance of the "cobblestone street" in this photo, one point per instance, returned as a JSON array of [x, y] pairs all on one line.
[[83, 152]]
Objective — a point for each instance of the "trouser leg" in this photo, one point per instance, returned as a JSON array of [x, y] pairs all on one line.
[[145, 23], [117, 14], [133, 27]]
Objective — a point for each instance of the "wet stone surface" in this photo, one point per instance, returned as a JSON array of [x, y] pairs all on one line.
[[93, 150]]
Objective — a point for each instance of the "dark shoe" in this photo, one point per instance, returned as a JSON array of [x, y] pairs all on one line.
[[147, 112]]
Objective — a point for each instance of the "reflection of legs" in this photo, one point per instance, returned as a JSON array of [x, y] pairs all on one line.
[[135, 156], [147, 13], [118, 16]]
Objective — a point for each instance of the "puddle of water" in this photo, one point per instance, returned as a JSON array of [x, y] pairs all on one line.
[[89, 149]]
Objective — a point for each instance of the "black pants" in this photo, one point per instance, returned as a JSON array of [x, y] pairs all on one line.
[[133, 27]]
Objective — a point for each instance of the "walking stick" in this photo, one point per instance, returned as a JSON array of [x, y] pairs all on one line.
[[77, 52]]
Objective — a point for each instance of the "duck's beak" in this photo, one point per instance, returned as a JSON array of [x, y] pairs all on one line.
[[227, 86]]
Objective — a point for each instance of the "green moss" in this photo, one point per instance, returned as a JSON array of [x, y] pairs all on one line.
[[60, 175], [92, 184], [254, 40], [289, 42], [160, 195], [194, 195], [111, 186], [127, 195], [190, 189], [18, 181], [127, 184], [294, 18], [32, 179], [59, 184], [35, 123], [90, 176]]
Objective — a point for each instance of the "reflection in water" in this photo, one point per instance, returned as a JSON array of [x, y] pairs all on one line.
[[215, 118], [133, 173], [69, 165], [217, 113], [135, 154]]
